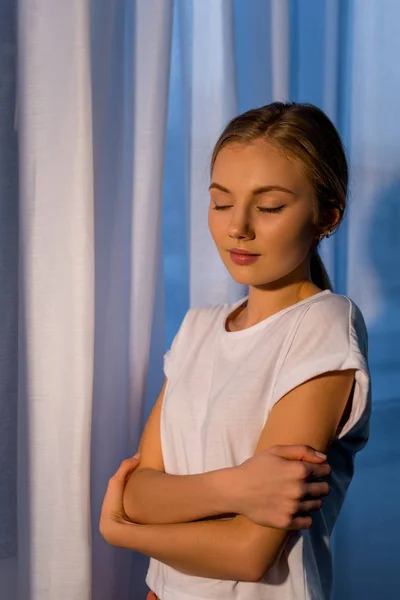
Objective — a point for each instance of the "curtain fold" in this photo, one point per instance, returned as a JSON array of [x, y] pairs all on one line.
[[8, 301], [131, 49], [56, 315]]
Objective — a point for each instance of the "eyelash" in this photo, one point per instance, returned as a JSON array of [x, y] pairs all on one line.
[[276, 210]]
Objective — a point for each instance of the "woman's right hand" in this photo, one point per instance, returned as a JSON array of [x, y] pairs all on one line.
[[279, 483]]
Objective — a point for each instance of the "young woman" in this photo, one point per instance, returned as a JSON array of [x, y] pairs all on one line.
[[227, 498]]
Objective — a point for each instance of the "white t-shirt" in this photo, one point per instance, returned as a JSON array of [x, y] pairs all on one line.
[[221, 388]]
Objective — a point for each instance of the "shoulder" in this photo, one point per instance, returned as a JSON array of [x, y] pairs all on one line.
[[197, 324], [334, 309], [204, 318], [334, 318], [329, 306]]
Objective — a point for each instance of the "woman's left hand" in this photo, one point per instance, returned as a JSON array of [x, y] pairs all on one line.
[[112, 515]]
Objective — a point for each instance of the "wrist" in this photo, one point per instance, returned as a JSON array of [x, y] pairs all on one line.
[[121, 534], [226, 484]]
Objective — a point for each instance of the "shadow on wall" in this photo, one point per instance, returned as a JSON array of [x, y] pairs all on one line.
[[366, 535]]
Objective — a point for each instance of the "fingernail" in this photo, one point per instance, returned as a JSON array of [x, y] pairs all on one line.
[[137, 455], [320, 454]]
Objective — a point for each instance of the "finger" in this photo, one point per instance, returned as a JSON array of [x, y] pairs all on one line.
[[301, 522], [317, 489], [310, 505], [298, 452], [126, 467], [319, 471], [307, 471], [117, 482]]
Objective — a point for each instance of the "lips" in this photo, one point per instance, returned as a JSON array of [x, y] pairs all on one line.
[[242, 258], [243, 252]]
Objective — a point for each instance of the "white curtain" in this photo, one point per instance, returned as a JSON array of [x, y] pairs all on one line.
[[92, 105], [56, 299], [105, 141], [131, 49]]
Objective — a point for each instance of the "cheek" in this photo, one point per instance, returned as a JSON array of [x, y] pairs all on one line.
[[290, 235], [304, 231], [296, 226], [216, 224]]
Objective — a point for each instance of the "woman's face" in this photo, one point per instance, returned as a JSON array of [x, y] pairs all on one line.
[[260, 201]]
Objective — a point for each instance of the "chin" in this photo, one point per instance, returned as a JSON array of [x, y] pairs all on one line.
[[250, 277], [240, 275]]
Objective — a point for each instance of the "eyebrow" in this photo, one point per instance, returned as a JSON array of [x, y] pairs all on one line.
[[259, 190]]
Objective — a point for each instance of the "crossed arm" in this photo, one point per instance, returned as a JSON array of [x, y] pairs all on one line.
[[236, 549]]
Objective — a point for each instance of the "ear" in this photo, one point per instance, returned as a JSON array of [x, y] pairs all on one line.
[[332, 220], [336, 218]]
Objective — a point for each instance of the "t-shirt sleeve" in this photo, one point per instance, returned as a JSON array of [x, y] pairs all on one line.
[[331, 336], [170, 355]]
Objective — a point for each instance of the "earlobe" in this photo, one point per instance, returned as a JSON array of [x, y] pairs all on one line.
[[330, 225]]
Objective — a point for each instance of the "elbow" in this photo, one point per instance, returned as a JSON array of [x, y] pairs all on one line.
[[129, 505], [250, 568], [259, 575], [128, 508], [134, 502], [257, 572], [131, 511], [258, 562], [245, 572], [250, 572]]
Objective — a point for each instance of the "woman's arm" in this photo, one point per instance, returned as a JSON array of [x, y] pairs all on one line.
[[238, 549], [153, 497], [213, 549]]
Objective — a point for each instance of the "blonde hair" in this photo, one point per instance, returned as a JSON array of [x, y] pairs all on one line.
[[305, 133]]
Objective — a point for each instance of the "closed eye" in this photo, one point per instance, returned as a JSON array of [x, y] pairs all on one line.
[[278, 209], [262, 209]]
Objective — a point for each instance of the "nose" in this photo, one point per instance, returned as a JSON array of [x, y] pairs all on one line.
[[239, 227]]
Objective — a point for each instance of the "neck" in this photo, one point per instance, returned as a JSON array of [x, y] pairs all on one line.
[[263, 302]]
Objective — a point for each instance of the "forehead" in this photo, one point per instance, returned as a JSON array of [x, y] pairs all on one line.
[[255, 164]]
